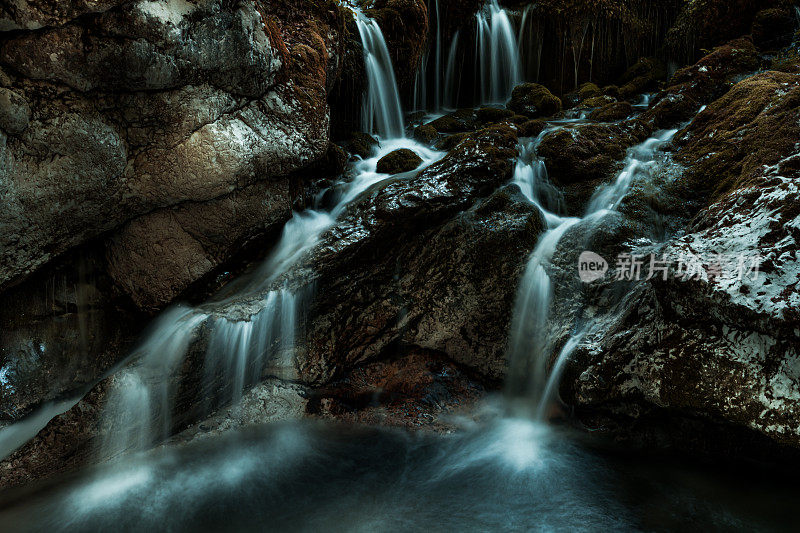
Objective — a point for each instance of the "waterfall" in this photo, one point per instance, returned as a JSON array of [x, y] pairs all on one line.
[[241, 350], [498, 63], [531, 341], [450, 97], [382, 113]]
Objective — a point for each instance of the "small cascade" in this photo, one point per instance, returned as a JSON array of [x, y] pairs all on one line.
[[498, 64], [531, 341], [382, 113], [242, 350]]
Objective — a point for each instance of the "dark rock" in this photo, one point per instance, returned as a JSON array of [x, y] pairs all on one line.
[[402, 160], [598, 101], [612, 112], [588, 151], [451, 141], [15, 113], [534, 101], [643, 76], [532, 128], [773, 28], [462, 120], [426, 133], [362, 144], [755, 124]]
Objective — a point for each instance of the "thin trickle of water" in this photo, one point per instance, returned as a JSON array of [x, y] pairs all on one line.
[[450, 97]]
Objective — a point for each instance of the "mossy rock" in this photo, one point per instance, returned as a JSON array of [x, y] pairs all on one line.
[[451, 141], [588, 90], [646, 74], [773, 29], [588, 151], [532, 128], [612, 91], [361, 143], [598, 101], [402, 160], [426, 134], [458, 121], [534, 101], [487, 115], [755, 124], [612, 112]]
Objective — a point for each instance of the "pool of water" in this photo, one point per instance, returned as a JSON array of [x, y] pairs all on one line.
[[511, 474]]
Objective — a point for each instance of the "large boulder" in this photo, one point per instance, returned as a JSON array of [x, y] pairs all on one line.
[[534, 101], [587, 152], [755, 124], [402, 160], [709, 349], [699, 84]]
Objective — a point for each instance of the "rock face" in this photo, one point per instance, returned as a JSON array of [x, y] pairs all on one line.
[[719, 343], [158, 138]]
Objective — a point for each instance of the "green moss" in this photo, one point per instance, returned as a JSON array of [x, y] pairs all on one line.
[[534, 100], [426, 134], [402, 160]]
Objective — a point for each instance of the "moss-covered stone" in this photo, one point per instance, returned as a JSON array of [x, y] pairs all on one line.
[[426, 134], [598, 101], [457, 121], [532, 128], [493, 114], [756, 124], [451, 141], [643, 76], [588, 90], [534, 100], [612, 112], [773, 28], [361, 143], [587, 151], [402, 160]]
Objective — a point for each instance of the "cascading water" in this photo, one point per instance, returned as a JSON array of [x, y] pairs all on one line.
[[382, 112], [241, 350], [498, 62], [531, 340]]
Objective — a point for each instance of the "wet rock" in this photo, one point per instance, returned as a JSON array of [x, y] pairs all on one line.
[[534, 101], [33, 15], [403, 160], [362, 144], [426, 133], [598, 101], [699, 84], [15, 113], [410, 390], [754, 124], [643, 76], [587, 152], [773, 28], [462, 120], [612, 112], [714, 344], [531, 128]]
